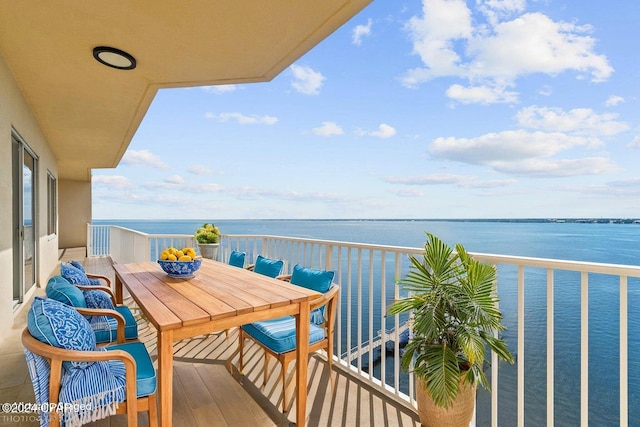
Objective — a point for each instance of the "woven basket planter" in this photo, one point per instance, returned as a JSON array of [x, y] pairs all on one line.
[[457, 415]]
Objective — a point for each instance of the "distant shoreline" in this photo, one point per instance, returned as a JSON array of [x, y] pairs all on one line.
[[510, 220]]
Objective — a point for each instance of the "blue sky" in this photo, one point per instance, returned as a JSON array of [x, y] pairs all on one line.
[[432, 109]]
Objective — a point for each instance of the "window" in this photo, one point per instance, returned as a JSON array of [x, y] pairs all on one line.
[[52, 204]]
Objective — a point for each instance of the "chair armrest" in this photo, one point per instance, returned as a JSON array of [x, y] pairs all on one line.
[[323, 299], [284, 277], [250, 267], [99, 276], [120, 337], [99, 288], [58, 355]]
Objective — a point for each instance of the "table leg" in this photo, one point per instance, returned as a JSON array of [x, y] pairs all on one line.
[[165, 377], [302, 356], [119, 296]]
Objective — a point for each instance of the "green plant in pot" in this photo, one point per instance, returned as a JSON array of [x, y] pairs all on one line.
[[454, 305], [208, 238]]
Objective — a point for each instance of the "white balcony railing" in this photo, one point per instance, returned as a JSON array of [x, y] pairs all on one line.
[[545, 303]]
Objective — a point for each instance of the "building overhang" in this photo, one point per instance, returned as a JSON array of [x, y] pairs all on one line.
[[89, 112]]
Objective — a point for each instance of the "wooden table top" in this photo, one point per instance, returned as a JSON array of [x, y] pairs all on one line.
[[216, 291]]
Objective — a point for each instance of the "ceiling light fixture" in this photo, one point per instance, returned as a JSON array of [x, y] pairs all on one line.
[[114, 58]]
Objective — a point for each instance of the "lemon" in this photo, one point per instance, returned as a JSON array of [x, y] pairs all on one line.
[[164, 255], [184, 258], [172, 257]]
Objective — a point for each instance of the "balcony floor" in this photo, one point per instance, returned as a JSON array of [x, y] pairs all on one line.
[[208, 390]]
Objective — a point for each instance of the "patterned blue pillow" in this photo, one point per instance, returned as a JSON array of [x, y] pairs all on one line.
[[74, 275], [268, 267], [61, 326], [98, 299], [79, 266]]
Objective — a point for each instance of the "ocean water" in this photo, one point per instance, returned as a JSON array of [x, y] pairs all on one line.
[[604, 243]]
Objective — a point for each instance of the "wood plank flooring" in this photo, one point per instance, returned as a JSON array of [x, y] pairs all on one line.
[[208, 389]]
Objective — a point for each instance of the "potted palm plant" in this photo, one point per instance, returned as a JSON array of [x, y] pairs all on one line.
[[208, 238], [453, 303]]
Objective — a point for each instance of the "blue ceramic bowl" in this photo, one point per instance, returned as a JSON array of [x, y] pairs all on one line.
[[180, 269]]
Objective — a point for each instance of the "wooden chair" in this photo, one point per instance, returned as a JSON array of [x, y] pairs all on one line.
[[320, 337], [136, 361]]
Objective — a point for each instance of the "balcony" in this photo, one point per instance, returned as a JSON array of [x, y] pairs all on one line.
[[554, 330]]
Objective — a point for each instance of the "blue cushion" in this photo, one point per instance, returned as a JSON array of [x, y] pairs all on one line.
[[145, 373], [279, 334], [236, 259], [74, 275], [268, 267], [316, 280], [61, 290], [110, 334], [60, 325]]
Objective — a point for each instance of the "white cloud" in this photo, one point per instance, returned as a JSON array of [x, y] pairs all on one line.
[[114, 182], [496, 9], [545, 168], [174, 179], [613, 100], [143, 158], [433, 34], [465, 181], [403, 192], [176, 182], [582, 121], [360, 31], [384, 131], [328, 129], [522, 153], [252, 193], [199, 170], [243, 119], [435, 179], [205, 188], [498, 53], [481, 94], [504, 146], [219, 89], [512, 52], [306, 80], [635, 143], [545, 90]]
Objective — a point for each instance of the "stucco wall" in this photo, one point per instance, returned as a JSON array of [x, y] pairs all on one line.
[[74, 212], [15, 112]]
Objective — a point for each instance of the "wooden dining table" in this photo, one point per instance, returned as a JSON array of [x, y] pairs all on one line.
[[217, 297]]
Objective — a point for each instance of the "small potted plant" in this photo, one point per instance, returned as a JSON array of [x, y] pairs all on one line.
[[208, 238], [453, 302]]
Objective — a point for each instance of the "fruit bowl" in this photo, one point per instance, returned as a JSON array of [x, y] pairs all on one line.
[[180, 269]]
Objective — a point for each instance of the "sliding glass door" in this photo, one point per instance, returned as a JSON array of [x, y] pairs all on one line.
[[24, 208]]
